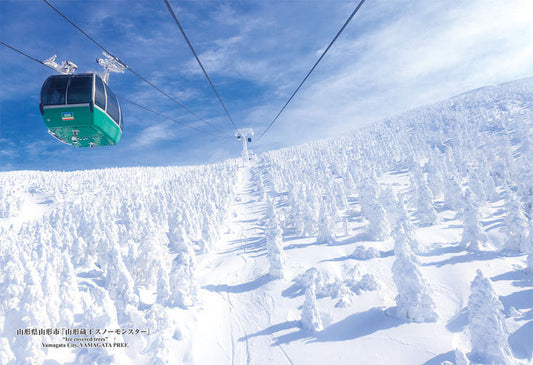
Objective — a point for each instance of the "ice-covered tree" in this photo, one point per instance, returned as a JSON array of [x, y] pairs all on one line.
[[209, 234], [434, 179], [308, 220], [387, 200], [325, 226], [311, 320], [515, 224], [477, 188], [163, 286], [340, 195], [529, 247], [473, 238], [50, 286], [378, 225], [182, 278], [32, 303], [413, 301], [378, 228], [12, 283], [179, 239], [349, 182], [424, 204], [368, 195], [120, 284], [488, 332], [69, 293], [6, 355], [274, 242], [453, 194], [365, 253], [404, 229]]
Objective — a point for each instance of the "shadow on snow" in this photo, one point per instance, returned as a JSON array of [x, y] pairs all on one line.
[[240, 288], [468, 257], [439, 359], [354, 326]]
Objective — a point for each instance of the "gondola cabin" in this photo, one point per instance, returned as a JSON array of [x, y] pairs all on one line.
[[81, 110]]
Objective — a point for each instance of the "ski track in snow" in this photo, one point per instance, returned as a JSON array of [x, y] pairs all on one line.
[[245, 240], [245, 228]]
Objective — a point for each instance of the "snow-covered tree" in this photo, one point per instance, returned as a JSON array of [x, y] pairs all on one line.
[[182, 278], [12, 283], [413, 301], [434, 179], [311, 319], [274, 242], [6, 355], [365, 253], [179, 240], [209, 234], [488, 332], [477, 188], [529, 247], [515, 228], [119, 283], [473, 238], [404, 229], [387, 200], [424, 204], [308, 219], [453, 194], [325, 226], [378, 228], [69, 293], [368, 194]]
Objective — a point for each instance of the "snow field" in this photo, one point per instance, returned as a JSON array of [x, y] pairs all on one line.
[[324, 253]]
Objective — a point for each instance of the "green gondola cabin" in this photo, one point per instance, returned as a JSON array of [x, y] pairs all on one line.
[[81, 110]]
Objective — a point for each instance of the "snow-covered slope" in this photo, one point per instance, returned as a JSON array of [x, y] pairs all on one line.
[[360, 250]]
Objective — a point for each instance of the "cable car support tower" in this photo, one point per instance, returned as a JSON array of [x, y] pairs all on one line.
[[245, 135]]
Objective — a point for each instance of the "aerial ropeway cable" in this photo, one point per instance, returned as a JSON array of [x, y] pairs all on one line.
[[122, 65], [312, 69], [131, 70], [22, 53], [165, 116], [200, 63]]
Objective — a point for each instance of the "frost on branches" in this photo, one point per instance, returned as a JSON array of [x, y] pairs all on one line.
[[274, 242], [183, 286], [325, 226], [413, 300], [515, 225], [474, 238], [378, 228], [311, 320], [487, 324]]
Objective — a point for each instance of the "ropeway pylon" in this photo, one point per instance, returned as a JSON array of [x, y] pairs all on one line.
[[244, 134]]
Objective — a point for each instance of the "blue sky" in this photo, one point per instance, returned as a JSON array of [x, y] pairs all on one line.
[[395, 55]]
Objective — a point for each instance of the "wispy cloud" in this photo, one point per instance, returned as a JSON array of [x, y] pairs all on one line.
[[424, 55], [395, 55], [154, 134]]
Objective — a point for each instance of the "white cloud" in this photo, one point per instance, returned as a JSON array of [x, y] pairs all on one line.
[[430, 52], [154, 134]]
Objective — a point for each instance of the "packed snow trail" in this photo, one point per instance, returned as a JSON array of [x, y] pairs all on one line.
[[235, 272]]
